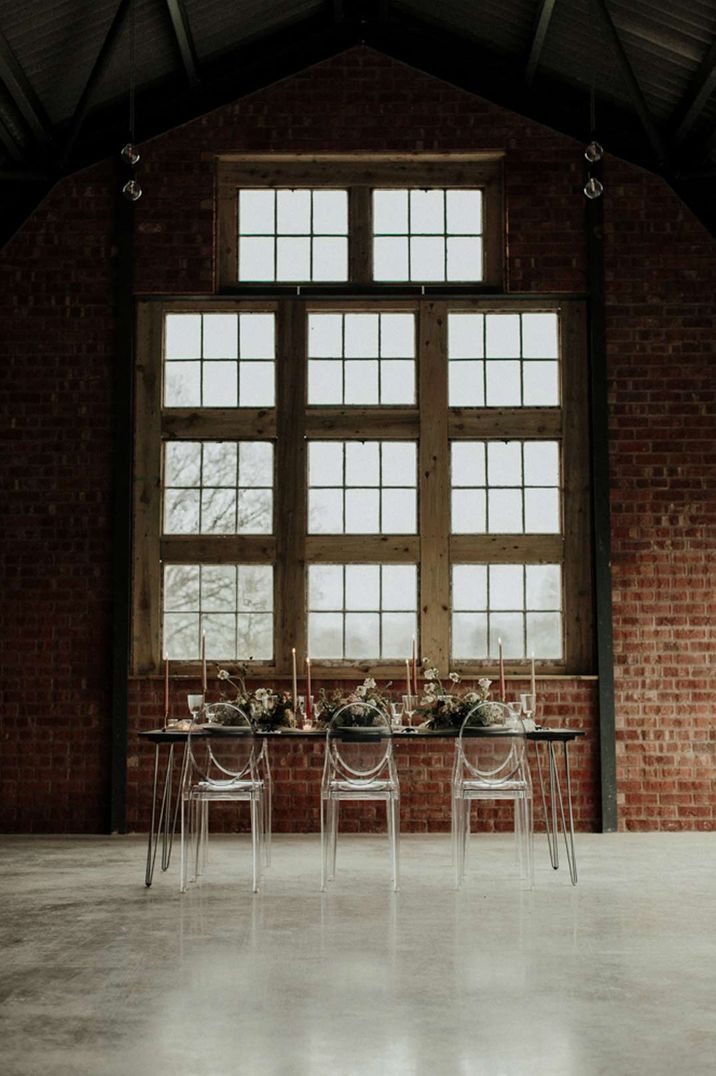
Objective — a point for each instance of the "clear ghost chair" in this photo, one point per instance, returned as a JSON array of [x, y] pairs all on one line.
[[359, 765], [220, 713], [492, 766], [220, 766]]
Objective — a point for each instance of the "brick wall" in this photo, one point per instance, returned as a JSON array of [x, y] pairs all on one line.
[[56, 309]]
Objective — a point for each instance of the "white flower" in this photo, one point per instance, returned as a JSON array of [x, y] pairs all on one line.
[[261, 694], [472, 696], [431, 674], [224, 674], [454, 677], [369, 682], [484, 683], [430, 689], [361, 691]]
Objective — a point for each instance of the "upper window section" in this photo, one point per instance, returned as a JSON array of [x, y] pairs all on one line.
[[219, 360], [293, 235], [428, 235], [361, 359], [503, 360]]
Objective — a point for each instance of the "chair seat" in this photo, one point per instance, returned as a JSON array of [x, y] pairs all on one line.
[[222, 789], [361, 789], [498, 790]]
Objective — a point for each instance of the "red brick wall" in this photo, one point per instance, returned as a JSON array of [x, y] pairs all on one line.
[[55, 305]]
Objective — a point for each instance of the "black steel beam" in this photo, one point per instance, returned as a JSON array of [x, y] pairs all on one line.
[[183, 38], [599, 415], [696, 96], [9, 141], [632, 84], [95, 76], [23, 96], [544, 17], [122, 422]]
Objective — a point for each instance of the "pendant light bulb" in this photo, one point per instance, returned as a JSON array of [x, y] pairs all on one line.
[[594, 152], [132, 191], [129, 154], [593, 188]]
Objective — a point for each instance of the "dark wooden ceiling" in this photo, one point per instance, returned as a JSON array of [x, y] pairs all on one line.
[[648, 65]]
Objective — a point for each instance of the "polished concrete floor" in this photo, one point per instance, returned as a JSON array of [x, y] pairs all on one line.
[[616, 976]]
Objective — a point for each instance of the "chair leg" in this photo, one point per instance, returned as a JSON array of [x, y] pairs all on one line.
[[392, 812], [267, 811], [333, 816], [182, 858], [256, 841], [324, 842], [458, 816]]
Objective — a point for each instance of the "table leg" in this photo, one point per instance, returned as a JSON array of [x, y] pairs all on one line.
[[149, 871], [549, 814], [163, 826], [567, 830]]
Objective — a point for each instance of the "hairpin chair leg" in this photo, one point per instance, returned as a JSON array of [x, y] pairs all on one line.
[[393, 823]]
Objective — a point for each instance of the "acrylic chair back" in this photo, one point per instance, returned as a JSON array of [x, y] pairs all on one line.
[[228, 755], [492, 759], [359, 745]]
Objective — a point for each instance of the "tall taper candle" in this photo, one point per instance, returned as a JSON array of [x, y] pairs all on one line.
[[415, 668], [203, 664], [166, 687], [502, 670], [308, 689], [295, 683], [533, 685], [408, 682]]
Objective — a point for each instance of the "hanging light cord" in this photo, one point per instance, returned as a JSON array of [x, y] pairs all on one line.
[[131, 189]]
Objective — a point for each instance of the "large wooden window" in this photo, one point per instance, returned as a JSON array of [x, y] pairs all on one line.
[[338, 467]]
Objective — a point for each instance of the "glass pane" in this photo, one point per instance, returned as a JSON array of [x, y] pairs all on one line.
[[255, 637], [218, 588], [465, 336], [257, 336], [464, 212], [399, 586], [503, 336], [330, 259], [182, 384], [398, 507], [255, 591], [325, 586], [325, 463], [256, 259], [330, 212], [293, 212], [257, 384], [325, 635], [221, 336], [397, 382], [256, 212], [541, 463], [255, 463], [361, 336], [362, 463], [466, 384], [363, 586], [219, 387], [181, 586], [181, 511], [504, 463], [468, 511], [255, 511], [544, 635], [464, 259], [325, 381], [427, 211], [397, 336], [469, 635], [182, 336], [510, 628], [398, 631], [542, 515], [506, 586], [503, 384], [181, 636], [325, 336], [219, 463], [469, 586], [362, 511], [541, 380], [182, 463], [468, 463], [390, 259], [390, 212], [293, 259], [218, 511], [361, 382], [398, 462], [220, 631], [427, 258], [325, 511], [362, 635], [543, 586], [504, 511], [540, 339]]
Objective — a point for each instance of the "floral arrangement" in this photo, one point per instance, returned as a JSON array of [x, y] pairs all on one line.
[[443, 710], [267, 709], [330, 702]]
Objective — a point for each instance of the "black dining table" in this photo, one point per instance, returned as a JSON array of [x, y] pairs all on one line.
[[556, 798]]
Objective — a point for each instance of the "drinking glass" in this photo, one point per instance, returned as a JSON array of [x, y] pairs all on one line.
[[196, 705], [527, 702], [396, 715], [410, 705]]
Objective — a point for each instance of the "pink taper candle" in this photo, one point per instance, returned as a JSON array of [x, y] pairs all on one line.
[[295, 684], [203, 663], [408, 686], [308, 689], [415, 668], [502, 670], [166, 687], [533, 685]]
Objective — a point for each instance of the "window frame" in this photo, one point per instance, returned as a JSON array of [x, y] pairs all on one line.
[[430, 422]]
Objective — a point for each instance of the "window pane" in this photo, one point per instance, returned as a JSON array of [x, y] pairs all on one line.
[[506, 586], [466, 336], [182, 384], [254, 636], [219, 463], [503, 384], [397, 382], [181, 636], [541, 381], [255, 463], [468, 463], [325, 336], [427, 258], [293, 212], [221, 336], [362, 634], [466, 384], [362, 463], [256, 384], [257, 336], [542, 511], [398, 631], [220, 631], [181, 587], [363, 586], [182, 463], [330, 259], [508, 627], [504, 463], [503, 336], [325, 382], [218, 588], [427, 211], [325, 586], [220, 384], [468, 511], [469, 586], [540, 337], [398, 511], [257, 214], [398, 461], [325, 463], [330, 212], [464, 212], [255, 511], [543, 586], [464, 259], [255, 587], [390, 212], [181, 511], [293, 258], [361, 382], [504, 511], [182, 336], [325, 635], [469, 635], [541, 463], [218, 511], [362, 511], [399, 583], [361, 336], [231, 603], [325, 511], [256, 259], [390, 259], [544, 634], [397, 336]]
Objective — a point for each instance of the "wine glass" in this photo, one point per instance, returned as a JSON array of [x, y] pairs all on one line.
[[396, 715], [410, 705], [196, 705]]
